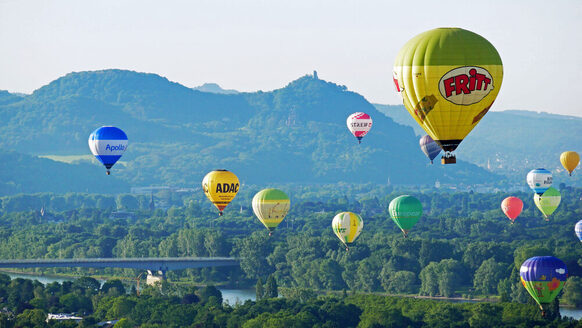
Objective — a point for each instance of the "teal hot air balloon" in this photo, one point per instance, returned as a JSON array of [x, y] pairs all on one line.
[[405, 211]]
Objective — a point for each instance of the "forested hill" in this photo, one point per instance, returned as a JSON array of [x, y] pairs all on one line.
[[513, 141], [177, 134], [22, 173]]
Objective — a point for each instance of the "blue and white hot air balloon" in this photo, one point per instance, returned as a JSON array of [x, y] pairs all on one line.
[[108, 143], [539, 180], [578, 229]]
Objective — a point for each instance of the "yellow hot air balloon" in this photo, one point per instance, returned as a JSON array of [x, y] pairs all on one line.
[[347, 226], [448, 79], [220, 186], [570, 160], [271, 207]]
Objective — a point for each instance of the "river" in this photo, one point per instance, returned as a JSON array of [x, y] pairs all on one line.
[[231, 296]]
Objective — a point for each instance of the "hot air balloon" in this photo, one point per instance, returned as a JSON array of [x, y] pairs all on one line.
[[548, 202], [220, 186], [448, 79], [512, 207], [347, 226], [543, 277], [270, 207], [108, 143], [570, 160], [359, 124], [429, 147], [405, 211], [578, 229], [539, 180]]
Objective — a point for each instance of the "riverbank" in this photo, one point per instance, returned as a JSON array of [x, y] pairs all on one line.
[[234, 296]]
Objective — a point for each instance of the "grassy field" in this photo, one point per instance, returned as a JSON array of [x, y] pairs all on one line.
[[70, 159], [75, 159]]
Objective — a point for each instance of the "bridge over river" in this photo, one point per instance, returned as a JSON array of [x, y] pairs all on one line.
[[159, 265]]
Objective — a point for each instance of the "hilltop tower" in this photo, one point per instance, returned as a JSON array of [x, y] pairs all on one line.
[[291, 117]]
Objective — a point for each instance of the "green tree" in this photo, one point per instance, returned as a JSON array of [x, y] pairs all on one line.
[[127, 202], [121, 307], [113, 287], [253, 252], [87, 285], [445, 316], [271, 289], [573, 292], [259, 289], [209, 291], [488, 276], [485, 315], [429, 284], [34, 318]]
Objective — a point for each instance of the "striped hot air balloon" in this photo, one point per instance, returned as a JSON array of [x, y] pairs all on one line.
[[108, 143], [539, 180], [271, 207], [347, 226]]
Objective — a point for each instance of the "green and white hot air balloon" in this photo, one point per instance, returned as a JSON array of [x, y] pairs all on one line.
[[405, 211], [271, 207], [548, 202]]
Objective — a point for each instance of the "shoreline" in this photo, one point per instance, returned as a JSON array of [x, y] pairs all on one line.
[[322, 292]]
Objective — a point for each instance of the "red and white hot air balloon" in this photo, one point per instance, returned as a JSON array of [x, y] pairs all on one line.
[[359, 124]]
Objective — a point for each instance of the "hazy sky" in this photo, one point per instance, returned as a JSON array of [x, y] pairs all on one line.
[[264, 44]]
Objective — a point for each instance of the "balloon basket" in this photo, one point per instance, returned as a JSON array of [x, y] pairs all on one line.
[[451, 159], [108, 172]]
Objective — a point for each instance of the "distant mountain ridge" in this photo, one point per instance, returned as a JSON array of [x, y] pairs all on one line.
[[215, 88], [512, 142], [176, 134]]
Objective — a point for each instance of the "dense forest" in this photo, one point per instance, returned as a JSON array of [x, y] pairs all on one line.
[[26, 304], [462, 246]]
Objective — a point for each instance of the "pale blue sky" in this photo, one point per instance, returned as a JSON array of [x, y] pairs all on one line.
[[264, 44]]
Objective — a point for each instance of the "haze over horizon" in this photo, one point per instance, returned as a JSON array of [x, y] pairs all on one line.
[[259, 45]]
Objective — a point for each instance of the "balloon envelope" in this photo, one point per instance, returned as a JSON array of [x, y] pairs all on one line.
[[578, 230], [220, 186], [359, 124], [543, 277], [512, 207], [448, 79], [569, 160], [429, 147], [539, 180], [347, 226], [405, 211], [108, 144], [548, 202], [271, 207]]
